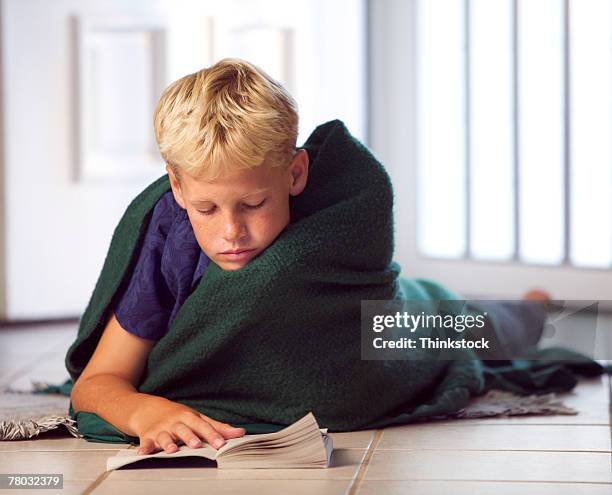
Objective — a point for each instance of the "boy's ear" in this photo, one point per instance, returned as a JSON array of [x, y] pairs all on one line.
[[298, 171], [176, 187]]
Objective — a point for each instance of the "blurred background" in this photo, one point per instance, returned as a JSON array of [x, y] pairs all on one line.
[[493, 118]]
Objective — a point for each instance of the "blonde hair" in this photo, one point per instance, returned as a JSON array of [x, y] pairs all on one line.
[[229, 116]]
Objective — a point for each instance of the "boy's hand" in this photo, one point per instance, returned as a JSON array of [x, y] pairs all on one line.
[[161, 422]]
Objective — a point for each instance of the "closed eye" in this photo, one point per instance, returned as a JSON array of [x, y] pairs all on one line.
[[254, 207], [211, 210]]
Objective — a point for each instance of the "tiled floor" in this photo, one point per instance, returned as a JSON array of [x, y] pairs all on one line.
[[531, 455]]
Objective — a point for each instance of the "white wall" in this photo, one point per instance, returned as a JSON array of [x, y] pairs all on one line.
[[62, 197]]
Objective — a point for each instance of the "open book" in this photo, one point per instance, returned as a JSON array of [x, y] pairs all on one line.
[[300, 445]]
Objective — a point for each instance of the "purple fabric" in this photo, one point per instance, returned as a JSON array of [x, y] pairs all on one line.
[[167, 270]]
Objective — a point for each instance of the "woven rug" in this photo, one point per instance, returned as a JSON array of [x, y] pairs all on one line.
[[25, 415]]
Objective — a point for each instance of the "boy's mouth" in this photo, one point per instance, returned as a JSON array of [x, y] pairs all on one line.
[[237, 251], [238, 255]]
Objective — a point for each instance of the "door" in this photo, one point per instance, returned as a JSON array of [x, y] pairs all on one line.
[[80, 82]]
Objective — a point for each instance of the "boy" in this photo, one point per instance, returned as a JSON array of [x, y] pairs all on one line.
[[234, 208], [227, 135]]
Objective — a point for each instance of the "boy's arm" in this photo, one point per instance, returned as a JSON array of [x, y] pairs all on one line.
[[107, 385], [114, 399], [107, 388]]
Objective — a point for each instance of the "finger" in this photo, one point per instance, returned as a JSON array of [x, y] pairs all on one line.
[[206, 431], [226, 430], [183, 432], [166, 442], [146, 446], [151, 445], [233, 432]]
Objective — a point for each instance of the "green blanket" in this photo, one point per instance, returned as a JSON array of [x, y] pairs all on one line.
[[261, 346]]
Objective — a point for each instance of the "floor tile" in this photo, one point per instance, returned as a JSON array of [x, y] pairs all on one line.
[[49, 370], [15, 367], [489, 465], [80, 465], [26, 340], [497, 437], [70, 487], [344, 466], [23, 348], [57, 441], [480, 488], [226, 486], [552, 463], [353, 439]]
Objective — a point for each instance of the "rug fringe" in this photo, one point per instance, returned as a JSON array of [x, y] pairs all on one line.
[[29, 428], [502, 403]]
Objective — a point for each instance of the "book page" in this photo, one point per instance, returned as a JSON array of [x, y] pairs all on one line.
[[292, 444], [128, 456], [305, 424]]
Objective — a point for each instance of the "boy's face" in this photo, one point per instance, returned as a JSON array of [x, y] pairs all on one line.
[[237, 216]]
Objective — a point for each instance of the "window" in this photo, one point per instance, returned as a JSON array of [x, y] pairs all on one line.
[[507, 180]]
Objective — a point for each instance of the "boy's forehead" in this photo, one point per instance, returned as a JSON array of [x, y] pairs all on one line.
[[238, 184], [233, 193]]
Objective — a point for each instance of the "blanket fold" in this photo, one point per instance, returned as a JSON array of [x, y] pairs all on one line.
[[261, 346]]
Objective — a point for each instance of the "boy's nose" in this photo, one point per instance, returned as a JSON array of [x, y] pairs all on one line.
[[234, 230]]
